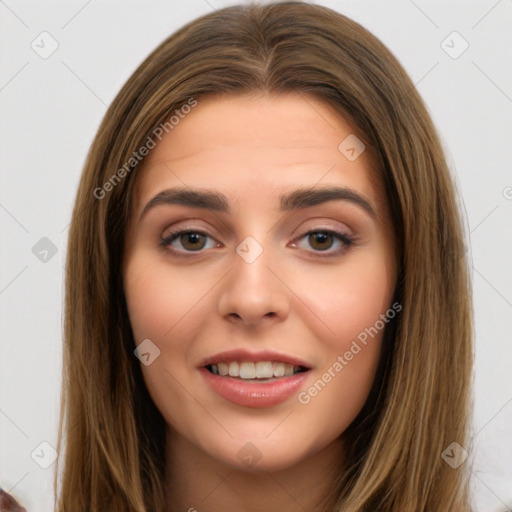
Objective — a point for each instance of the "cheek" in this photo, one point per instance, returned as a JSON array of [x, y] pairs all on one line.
[[353, 305], [165, 306], [168, 306], [342, 382], [161, 301], [348, 301]]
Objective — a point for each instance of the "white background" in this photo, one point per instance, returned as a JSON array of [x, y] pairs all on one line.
[[51, 108]]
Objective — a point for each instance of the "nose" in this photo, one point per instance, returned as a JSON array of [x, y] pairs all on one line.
[[254, 292]]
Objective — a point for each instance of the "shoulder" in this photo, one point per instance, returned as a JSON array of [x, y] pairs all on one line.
[[9, 504]]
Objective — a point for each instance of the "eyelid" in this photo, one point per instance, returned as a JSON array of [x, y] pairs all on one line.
[[325, 225]]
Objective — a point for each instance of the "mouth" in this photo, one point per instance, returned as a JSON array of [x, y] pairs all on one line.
[[256, 379], [255, 371]]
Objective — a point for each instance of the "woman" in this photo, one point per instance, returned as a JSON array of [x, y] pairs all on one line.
[[219, 354]]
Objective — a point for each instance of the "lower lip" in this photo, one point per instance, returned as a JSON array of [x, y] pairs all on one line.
[[254, 394]]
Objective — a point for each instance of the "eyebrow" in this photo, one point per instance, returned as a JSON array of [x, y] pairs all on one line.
[[294, 200]]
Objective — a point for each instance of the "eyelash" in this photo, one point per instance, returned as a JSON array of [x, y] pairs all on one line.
[[342, 237]]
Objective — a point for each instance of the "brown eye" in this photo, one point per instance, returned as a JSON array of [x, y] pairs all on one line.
[[320, 240], [190, 241]]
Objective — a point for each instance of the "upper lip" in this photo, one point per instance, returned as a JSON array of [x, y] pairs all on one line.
[[242, 355]]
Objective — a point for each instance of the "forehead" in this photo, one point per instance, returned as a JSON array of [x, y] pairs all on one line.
[[256, 143]]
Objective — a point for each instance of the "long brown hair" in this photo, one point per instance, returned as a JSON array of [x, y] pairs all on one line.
[[111, 434]]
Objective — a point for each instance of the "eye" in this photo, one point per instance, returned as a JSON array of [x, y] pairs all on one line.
[[190, 240], [322, 240]]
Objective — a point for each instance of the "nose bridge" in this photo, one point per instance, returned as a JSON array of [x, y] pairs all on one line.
[[252, 291], [251, 267]]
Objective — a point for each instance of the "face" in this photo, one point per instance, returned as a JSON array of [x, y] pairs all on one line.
[[258, 248]]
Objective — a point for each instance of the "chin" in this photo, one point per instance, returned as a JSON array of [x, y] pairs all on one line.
[[259, 456]]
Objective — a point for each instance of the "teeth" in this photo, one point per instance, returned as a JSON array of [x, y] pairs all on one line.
[[234, 370], [249, 370], [264, 370], [279, 369]]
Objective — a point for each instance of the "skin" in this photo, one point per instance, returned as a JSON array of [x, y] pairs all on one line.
[[253, 148]]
